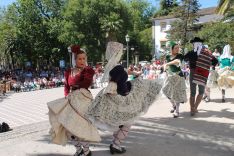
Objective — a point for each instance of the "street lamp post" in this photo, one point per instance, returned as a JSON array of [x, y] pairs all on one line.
[[136, 57], [127, 40], [70, 55], [132, 49]]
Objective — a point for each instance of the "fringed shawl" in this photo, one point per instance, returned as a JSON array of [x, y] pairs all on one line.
[[203, 64]]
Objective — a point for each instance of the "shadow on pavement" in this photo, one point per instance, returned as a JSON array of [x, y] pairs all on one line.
[[6, 96], [48, 154], [185, 136], [224, 113], [94, 153], [227, 100]]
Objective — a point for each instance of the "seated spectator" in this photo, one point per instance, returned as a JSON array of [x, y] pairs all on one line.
[[16, 86], [56, 81], [63, 80], [26, 86], [51, 83], [133, 72], [146, 71], [41, 83], [45, 83], [152, 73], [36, 83], [32, 86]]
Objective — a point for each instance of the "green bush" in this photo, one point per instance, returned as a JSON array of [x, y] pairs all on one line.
[[217, 35]]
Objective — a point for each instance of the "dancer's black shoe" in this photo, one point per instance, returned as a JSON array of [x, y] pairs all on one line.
[[114, 150], [81, 153], [223, 100], [173, 109], [176, 114]]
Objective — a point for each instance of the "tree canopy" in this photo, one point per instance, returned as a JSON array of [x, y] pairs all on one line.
[[41, 30], [167, 7], [217, 35], [182, 29]]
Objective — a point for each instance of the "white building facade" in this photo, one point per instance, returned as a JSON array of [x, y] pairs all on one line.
[[161, 25]]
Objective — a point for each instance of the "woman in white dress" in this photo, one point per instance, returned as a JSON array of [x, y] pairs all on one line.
[[226, 71], [67, 115], [175, 87], [120, 103]]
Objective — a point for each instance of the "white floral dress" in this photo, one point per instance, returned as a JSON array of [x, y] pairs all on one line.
[[108, 111]]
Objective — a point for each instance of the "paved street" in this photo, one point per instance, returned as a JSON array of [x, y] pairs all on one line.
[[209, 133], [27, 107]]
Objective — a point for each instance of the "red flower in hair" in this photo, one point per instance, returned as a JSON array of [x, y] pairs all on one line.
[[75, 49]]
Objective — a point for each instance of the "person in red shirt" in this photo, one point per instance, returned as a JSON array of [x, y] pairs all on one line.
[[67, 118], [81, 76]]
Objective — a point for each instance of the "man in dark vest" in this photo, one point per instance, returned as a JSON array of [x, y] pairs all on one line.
[[200, 61]]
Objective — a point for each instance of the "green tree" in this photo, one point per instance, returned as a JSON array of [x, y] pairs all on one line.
[[111, 25], [42, 29], [9, 42], [166, 7], [187, 15], [36, 27], [88, 23], [140, 33], [225, 6], [217, 35], [140, 11], [145, 42]]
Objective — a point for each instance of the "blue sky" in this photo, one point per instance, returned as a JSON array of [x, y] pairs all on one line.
[[6, 2], [208, 3], [204, 3]]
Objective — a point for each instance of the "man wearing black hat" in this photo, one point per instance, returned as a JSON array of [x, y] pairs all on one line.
[[200, 61]]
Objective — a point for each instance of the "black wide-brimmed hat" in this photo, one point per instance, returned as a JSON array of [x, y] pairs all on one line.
[[196, 39]]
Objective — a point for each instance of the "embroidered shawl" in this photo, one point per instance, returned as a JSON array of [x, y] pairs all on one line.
[[203, 64]]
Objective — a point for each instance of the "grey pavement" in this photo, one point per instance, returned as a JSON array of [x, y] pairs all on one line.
[[209, 133], [24, 108]]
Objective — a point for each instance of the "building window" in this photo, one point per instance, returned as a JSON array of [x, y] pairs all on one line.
[[163, 26]]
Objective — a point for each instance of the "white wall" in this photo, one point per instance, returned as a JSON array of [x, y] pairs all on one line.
[[158, 35]]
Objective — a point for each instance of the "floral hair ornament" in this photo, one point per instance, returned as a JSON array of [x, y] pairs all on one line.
[[75, 49]]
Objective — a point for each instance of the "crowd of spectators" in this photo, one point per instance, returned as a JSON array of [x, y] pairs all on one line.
[[32, 79], [153, 70]]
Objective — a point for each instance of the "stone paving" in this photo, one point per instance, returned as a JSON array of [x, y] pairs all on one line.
[[25, 108], [209, 133]]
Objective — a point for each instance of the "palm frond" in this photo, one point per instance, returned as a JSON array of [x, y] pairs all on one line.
[[224, 6]]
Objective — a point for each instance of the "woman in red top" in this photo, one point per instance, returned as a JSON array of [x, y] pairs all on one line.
[[67, 118], [80, 76]]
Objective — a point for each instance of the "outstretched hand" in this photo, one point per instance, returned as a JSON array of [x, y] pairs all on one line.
[[164, 67]]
